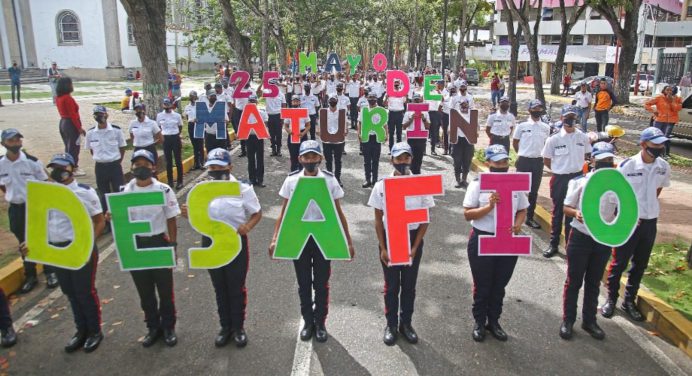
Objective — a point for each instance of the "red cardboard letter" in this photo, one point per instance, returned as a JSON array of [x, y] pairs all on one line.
[[418, 130], [257, 125], [393, 75], [379, 62], [243, 77], [294, 115], [270, 90]]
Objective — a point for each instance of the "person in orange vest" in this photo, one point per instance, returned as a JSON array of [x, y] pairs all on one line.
[[666, 113], [605, 100]]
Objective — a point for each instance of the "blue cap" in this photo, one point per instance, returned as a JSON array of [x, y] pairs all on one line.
[[138, 105], [463, 83], [504, 98], [417, 96], [569, 109], [654, 135], [62, 159], [252, 98], [296, 97], [9, 133], [100, 109], [128, 91], [602, 150], [143, 153], [218, 157], [310, 146], [166, 101], [535, 103], [496, 153], [401, 148]]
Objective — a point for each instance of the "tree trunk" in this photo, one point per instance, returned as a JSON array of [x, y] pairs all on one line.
[[522, 16], [460, 58], [148, 19], [239, 43], [556, 76], [535, 68], [264, 44], [513, 60]]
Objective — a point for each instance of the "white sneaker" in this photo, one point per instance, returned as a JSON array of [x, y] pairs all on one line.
[[79, 172]]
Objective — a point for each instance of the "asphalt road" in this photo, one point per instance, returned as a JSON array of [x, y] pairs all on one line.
[[532, 311]]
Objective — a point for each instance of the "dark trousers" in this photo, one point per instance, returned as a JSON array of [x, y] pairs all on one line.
[[17, 219], [255, 159], [18, 87], [151, 148], [667, 129], [371, 158], [197, 144], [500, 140], [435, 122], [535, 167], [354, 112], [172, 148], [5, 316], [229, 287], [157, 313], [80, 288], [462, 154], [400, 288], [275, 130], [293, 150], [211, 142], [235, 119], [558, 192], [332, 156], [445, 130], [312, 272], [109, 179], [418, 149], [394, 123], [70, 138], [586, 261], [491, 274], [313, 126], [637, 250], [601, 120]]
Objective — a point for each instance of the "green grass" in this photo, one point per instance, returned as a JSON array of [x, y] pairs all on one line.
[[669, 276], [199, 73], [42, 94], [678, 161], [479, 154]]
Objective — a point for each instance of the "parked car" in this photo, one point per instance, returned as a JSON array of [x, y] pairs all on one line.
[[684, 127], [642, 82], [576, 85], [472, 76]]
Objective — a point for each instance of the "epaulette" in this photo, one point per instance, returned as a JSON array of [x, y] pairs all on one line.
[[578, 177], [91, 129], [115, 126], [293, 172], [380, 179], [476, 178], [85, 186], [328, 173], [245, 181], [622, 164], [30, 157]]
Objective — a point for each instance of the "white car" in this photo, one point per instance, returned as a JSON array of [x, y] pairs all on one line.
[[643, 87]]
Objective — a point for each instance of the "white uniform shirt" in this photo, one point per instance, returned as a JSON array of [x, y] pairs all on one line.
[[646, 178], [252, 119], [170, 123], [235, 211], [468, 97], [273, 105], [434, 105], [353, 89], [311, 103], [302, 123], [448, 101], [105, 143], [375, 119], [157, 215], [566, 151], [362, 102], [191, 112], [343, 102], [15, 174], [409, 115], [145, 132], [333, 123], [313, 212], [608, 204], [501, 124], [475, 199], [297, 88], [377, 88], [60, 228], [583, 99], [395, 103], [532, 136], [412, 202], [331, 86]]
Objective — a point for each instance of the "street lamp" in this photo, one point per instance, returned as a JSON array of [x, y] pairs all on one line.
[[444, 38]]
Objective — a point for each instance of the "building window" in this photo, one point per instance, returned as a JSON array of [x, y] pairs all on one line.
[[130, 34], [577, 40], [68, 28], [689, 11], [595, 15], [547, 14]]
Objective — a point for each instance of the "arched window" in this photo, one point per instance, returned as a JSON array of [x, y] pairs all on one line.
[[130, 34], [68, 28]]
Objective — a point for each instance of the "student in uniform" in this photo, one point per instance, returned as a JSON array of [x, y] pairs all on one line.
[[312, 270], [333, 151], [190, 112], [171, 124], [449, 99], [238, 107], [273, 108], [464, 94], [399, 280], [417, 144], [312, 103], [144, 132], [491, 274], [159, 314], [243, 213], [564, 154], [106, 144], [78, 285], [210, 140], [586, 258], [462, 151], [435, 114], [353, 91], [528, 141], [500, 124], [293, 148], [16, 168], [255, 149], [370, 147], [396, 108], [649, 174]]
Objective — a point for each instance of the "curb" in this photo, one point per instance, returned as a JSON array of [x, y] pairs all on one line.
[[666, 320]]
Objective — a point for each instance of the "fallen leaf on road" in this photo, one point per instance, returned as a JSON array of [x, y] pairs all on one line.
[[106, 301], [140, 339], [117, 323], [116, 286], [111, 331], [13, 354], [190, 276], [31, 323], [60, 309], [55, 316], [655, 334]]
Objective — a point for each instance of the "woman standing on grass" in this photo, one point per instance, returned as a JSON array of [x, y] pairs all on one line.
[[70, 122]]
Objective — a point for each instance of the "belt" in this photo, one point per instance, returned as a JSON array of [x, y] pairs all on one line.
[[521, 156], [499, 136], [18, 205], [110, 162], [569, 174], [481, 232]]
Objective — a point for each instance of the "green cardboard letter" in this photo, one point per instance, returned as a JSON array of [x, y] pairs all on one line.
[[374, 119], [307, 60], [353, 61], [429, 86]]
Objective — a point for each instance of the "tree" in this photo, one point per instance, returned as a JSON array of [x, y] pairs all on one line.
[[513, 60], [567, 26], [522, 16], [470, 13], [148, 18], [239, 42]]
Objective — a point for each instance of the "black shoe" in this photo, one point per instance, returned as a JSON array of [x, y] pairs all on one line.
[[550, 252], [433, 152], [497, 331], [242, 154], [532, 223], [179, 186], [169, 337], [151, 337], [478, 332], [594, 330], [631, 310], [566, 330], [9, 337], [390, 335], [306, 332], [409, 333], [272, 154], [366, 185], [28, 285], [92, 342], [457, 185], [278, 154], [259, 184], [608, 309], [52, 280], [240, 338], [76, 342], [222, 338], [321, 333]]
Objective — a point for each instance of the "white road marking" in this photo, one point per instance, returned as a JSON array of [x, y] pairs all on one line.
[[302, 355]]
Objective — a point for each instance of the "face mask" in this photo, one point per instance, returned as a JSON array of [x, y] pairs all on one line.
[[332, 104], [602, 164], [402, 168], [372, 101], [464, 110], [498, 169], [59, 175], [142, 173], [504, 107], [100, 118], [655, 152], [212, 100], [219, 175], [14, 149], [568, 122], [310, 166], [536, 114], [139, 114]]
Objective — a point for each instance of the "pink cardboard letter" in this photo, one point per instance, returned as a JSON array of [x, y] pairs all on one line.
[[243, 78], [418, 130], [379, 62], [270, 90], [257, 124], [393, 75], [294, 115]]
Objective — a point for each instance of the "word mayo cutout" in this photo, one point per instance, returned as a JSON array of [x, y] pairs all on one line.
[[295, 232], [429, 86], [211, 121], [397, 75], [396, 189], [418, 129], [374, 119], [225, 240], [245, 127], [294, 115], [504, 242], [38, 206]]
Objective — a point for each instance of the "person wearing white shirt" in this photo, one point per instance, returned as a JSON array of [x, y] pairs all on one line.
[[273, 106], [435, 113], [491, 274], [377, 87], [399, 280], [106, 143], [312, 103], [343, 102], [211, 141], [171, 124], [528, 141], [330, 85], [333, 151], [648, 174], [304, 129], [462, 151], [144, 132], [396, 106], [500, 125], [449, 101], [564, 154], [238, 107], [417, 144], [370, 148], [242, 213], [255, 148], [190, 112], [353, 91], [584, 99], [464, 94]]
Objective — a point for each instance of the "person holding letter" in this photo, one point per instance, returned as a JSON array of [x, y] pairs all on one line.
[[371, 147], [491, 274], [500, 124], [171, 124], [255, 145], [396, 108], [436, 114], [333, 151], [312, 103], [417, 144], [304, 129], [273, 106], [462, 151]]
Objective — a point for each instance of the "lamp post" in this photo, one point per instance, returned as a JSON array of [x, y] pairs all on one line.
[[444, 38]]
